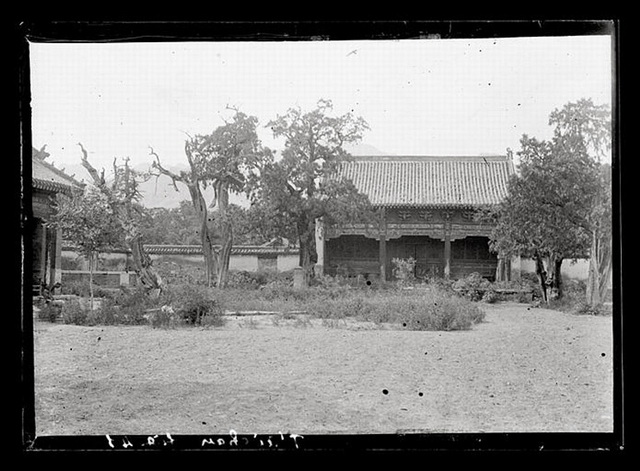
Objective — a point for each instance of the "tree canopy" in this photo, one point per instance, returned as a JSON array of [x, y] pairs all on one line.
[[220, 160], [555, 201], [88, 220], [123, 197], [297, 188]]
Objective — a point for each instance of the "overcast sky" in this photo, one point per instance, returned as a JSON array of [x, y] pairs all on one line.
[[420, 97]]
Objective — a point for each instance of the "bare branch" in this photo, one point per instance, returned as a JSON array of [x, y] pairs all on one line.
[[157, 165], [116, 176], [98, 180]]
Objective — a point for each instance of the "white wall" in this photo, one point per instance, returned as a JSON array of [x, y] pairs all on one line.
[[243, 262], [236, 262], [288, 262], [573, 269]]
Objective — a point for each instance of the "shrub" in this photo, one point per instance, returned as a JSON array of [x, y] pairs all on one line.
[[74, 313], [249, 323], [334, 323], [585, 308], [131, 306], [473, 286], [77, 288], [164, 317], [302, 322], [197, 305], [331, 308], [81, 288], [404, 269], [524, 297], [180, 274], [440, 284], [244, 279], [107, 314], [442, 312], [49, 312], [490, 296]]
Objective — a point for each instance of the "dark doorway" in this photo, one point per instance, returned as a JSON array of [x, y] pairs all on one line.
[[427, 252]]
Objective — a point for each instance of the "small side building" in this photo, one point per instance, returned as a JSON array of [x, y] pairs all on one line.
[[428, 207], [46, 242]]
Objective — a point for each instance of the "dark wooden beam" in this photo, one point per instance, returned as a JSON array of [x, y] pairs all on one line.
[[382, 260]]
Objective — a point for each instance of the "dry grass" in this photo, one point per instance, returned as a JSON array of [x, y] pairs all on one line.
[[520, 370]]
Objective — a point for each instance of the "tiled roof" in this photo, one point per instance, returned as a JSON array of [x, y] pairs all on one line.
[[46, 177], [236, 250], [428, 181], [197, 249]]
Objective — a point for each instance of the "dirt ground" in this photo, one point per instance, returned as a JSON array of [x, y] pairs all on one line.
[[522, 370]]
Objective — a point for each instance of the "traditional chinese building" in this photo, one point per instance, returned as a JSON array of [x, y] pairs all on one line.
[[427, 208], [46, 241]]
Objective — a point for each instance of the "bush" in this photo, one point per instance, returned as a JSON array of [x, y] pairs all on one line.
[[196, 305], [180, 274], [164, 317], [244, 279], [490, 296], [472, 286], [415, 310], [74, 313], [49, 312], [585, 308], [81, 288], [77, 288], [130, 306], [439, 311], [404, 269], [107, 314]]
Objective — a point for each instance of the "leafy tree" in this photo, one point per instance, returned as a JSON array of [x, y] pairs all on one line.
[[180, 226], [87, 220], [123, 196], [292, 192], [551, 211], [248, 226], [588, 128], [220, 161], [600, 260], [171, 226]]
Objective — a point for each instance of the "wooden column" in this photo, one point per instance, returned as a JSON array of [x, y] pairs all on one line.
[[56, 257], [43, 252], [447, 255], [382, 256], [319, 267], [447, 244]]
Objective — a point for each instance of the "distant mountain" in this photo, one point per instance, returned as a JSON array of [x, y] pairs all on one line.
[[363, 149]]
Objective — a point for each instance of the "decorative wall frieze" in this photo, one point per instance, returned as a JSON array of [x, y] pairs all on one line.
[[454, 224]]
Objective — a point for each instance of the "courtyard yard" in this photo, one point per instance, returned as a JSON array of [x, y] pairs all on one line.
[[523, 369]]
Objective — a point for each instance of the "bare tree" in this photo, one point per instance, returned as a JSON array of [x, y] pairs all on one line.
[[219, 161], [123, 195]]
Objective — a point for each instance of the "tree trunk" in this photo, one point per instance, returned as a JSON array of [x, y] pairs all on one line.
[[542, 277], [503, 269], [209, 253], [91, 261], [206, 239], [225, 256], [599, 270], [308, 256], [555, 282], [143, 265], [226, 233]]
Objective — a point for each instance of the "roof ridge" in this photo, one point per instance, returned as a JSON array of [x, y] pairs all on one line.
[[426, 181], [59, 172], [429, 158]]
